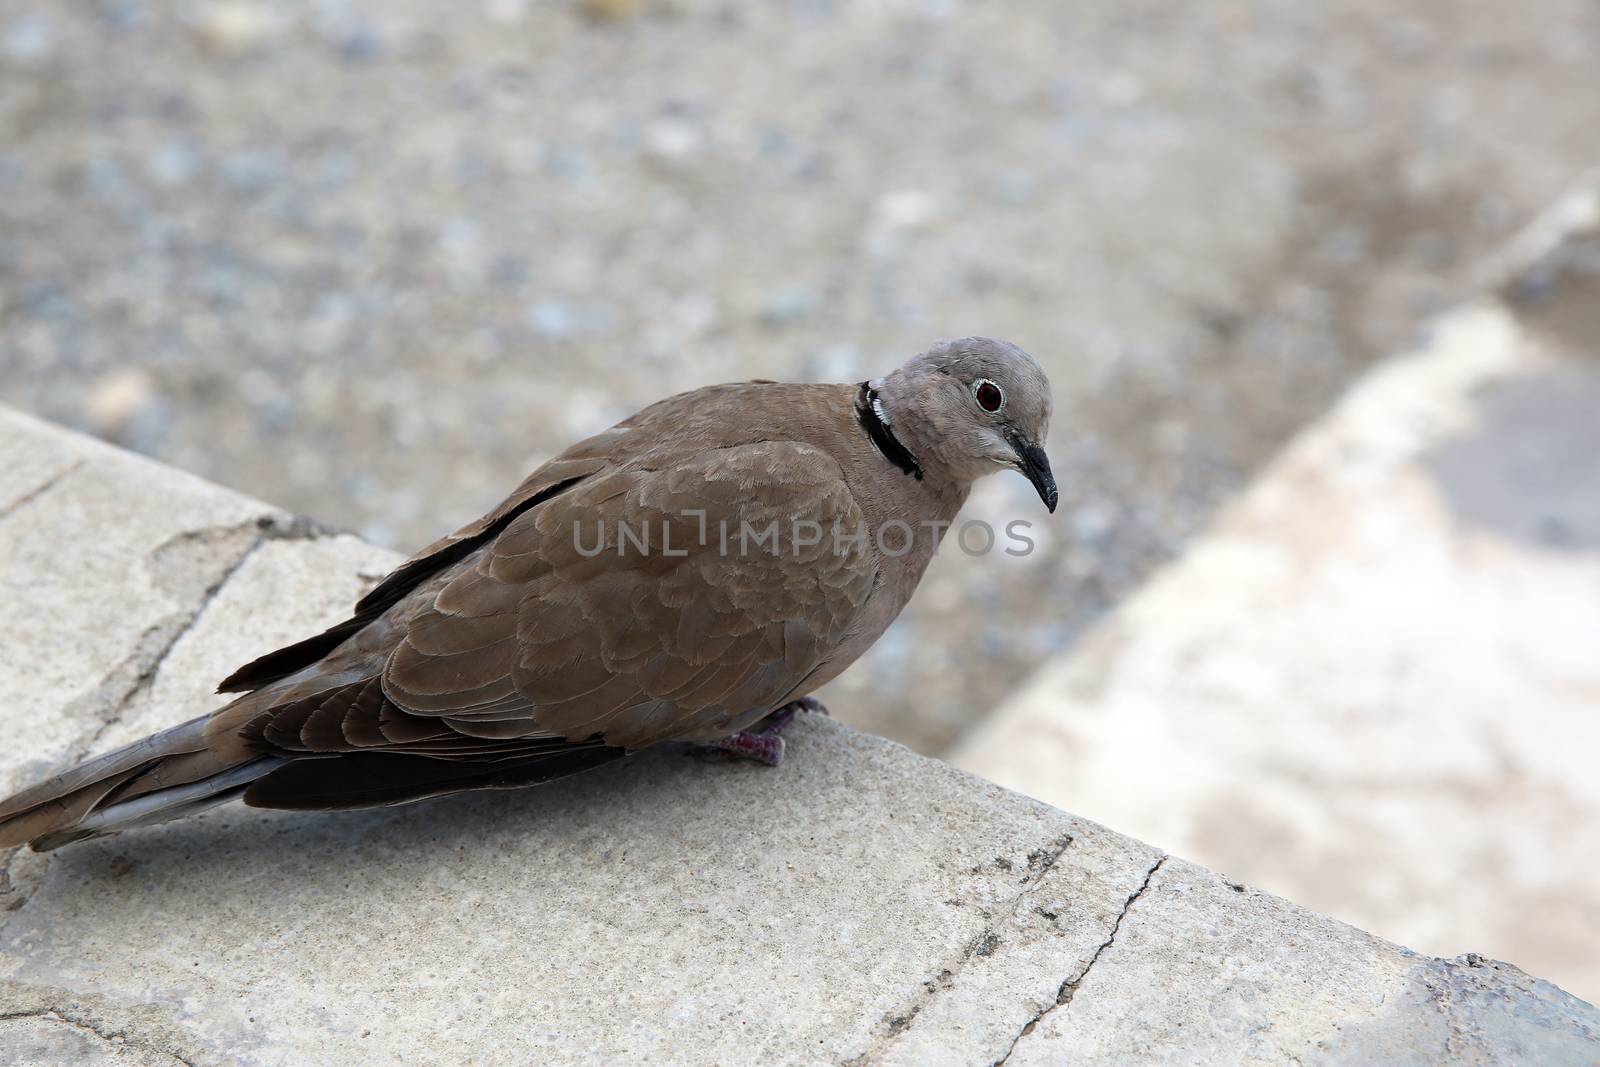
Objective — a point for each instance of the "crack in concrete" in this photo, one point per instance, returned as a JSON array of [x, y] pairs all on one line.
[[164, 637], [40, 490], [118, 1038], [273, 526], [987, 941], [284, 526], [1070, 986], [157, 642], [16, 891], [276, 526], [8, 888]]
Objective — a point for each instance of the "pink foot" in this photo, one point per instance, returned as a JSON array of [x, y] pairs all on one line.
[[746, 744], [764, 745]]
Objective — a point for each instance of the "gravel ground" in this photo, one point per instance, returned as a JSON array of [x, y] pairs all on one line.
[[374, 260]]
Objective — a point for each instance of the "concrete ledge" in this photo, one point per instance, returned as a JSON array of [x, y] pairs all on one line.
[[859, 905]]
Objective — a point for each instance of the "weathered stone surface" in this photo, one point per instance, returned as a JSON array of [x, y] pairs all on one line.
[[1372, 686], [1204, 971], [858, 905]]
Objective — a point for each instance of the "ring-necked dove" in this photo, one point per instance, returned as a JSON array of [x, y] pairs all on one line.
[[687, 574]]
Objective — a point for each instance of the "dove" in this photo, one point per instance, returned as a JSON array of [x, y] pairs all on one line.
[[692, 574]]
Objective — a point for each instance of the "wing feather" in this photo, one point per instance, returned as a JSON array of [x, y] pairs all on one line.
[[660, 626]]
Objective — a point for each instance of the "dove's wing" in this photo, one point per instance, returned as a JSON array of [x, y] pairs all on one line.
[[677, 595], [667, 599], [572, 466]]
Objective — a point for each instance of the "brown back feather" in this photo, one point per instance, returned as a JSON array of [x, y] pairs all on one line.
[[286, 661]]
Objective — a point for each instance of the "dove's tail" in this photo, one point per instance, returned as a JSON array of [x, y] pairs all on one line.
[[165, 776]]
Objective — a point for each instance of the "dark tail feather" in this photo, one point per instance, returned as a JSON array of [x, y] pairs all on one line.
[[373, 779], [175, 773], [164, 776]]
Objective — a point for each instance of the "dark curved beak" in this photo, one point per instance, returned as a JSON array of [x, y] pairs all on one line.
[[1035, 466]]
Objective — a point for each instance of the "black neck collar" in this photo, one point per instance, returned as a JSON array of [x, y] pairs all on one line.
[[871, 416]]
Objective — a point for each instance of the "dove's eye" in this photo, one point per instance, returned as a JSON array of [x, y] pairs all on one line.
[[990, 397]]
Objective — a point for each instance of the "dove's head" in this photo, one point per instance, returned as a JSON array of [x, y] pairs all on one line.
[[971, 407]]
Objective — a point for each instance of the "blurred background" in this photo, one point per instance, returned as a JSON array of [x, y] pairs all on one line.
[[374, 259]]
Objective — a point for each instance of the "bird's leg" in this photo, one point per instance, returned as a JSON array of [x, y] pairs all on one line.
[[779, 720], [763, 744]]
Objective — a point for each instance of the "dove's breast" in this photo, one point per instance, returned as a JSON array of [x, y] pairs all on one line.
[[893, 508]]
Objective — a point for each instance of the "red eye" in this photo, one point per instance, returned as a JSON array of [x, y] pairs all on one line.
[[989, 396]]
